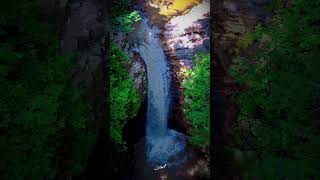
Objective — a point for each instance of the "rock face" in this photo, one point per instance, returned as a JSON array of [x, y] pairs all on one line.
[[160, 11], [136, 65], [84, 35], [182, 37]]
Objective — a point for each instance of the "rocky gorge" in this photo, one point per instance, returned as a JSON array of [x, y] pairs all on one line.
[[83, 27], [180, 41]]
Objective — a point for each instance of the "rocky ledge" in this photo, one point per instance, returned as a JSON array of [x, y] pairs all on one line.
[[136, 66]]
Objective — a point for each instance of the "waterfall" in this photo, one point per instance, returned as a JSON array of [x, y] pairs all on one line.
[[164, 146]]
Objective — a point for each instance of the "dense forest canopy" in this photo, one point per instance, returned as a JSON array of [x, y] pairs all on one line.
[[280, 111], [44, 131], [197, 99]]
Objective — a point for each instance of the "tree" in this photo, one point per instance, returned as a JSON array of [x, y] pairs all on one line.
[[124, 98], [281, 108], [123, 16], [196, 104], [43, 121]]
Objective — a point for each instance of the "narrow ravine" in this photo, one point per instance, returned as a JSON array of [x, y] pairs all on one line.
[[163, 145], [163, 152]]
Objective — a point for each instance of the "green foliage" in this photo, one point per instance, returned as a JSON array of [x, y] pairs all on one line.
[[124, 22], [123, 17], [124, 98], [281, 107], [43, 123], [275, 5], [197, 99], [248, 39]]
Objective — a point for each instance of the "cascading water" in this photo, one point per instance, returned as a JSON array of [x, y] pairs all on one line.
[[164, 146]]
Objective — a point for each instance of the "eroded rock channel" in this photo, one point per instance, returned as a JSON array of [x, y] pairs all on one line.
[[161, 49]]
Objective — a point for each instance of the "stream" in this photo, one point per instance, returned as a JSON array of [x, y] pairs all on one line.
[[165, 147]]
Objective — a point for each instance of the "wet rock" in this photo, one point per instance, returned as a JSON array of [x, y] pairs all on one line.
[[138, 72], [136, 65]]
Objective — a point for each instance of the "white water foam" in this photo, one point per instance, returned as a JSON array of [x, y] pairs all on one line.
[[164, 146]]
